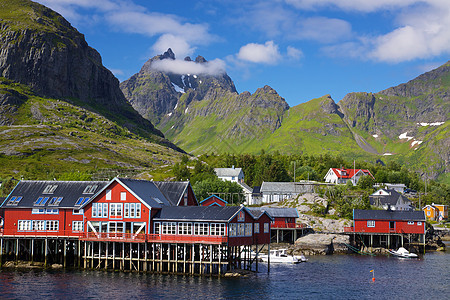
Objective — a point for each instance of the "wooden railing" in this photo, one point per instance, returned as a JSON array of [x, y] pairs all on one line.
[[288, 225], [349, 229], [163, 238]]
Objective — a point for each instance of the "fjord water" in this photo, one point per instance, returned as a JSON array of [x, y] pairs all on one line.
[[325, 277]]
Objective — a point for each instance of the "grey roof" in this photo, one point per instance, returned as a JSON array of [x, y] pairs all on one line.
[[391, 199], [277, 212], [145, 190], [70, 191], [228, 171], [197, 213], [403, 215], [245, 186], [173, 190], [279, 187]]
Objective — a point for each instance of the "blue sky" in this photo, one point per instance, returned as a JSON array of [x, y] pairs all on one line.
[[304, 49]]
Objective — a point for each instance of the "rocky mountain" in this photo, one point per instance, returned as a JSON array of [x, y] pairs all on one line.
[[199, 113], [55, 94]]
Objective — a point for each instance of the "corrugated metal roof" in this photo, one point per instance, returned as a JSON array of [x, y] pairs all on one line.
[[197, 213], [359, 214], [147, 191], [277, 212], [390, 199], [70, 191], [173, 190], [228, 171]]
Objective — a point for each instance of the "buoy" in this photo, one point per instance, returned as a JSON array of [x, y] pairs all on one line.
[[373, 278], [373, 275]]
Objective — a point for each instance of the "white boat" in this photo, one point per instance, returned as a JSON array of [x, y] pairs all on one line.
[[281, 256], [402, 252]]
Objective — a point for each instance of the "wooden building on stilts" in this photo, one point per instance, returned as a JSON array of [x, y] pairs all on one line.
[[128, 225]]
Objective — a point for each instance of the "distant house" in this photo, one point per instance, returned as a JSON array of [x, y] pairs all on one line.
[[283, 217], [248, 193], [398, 187], [436, 212], [279, 191], [213, 201], [341, 176], [388, 221], [230, 174], [390, 199]]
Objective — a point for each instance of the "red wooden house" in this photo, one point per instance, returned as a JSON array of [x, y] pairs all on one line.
[[47, 208], [213, 200], [388, 221]]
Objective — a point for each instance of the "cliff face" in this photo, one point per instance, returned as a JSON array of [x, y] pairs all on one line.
[[40, 49]]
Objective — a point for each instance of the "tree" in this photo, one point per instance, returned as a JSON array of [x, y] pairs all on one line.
[[366, 182], [227, 190]]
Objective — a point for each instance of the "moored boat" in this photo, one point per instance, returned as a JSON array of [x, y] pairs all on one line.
[[281, 256], [402, 252]]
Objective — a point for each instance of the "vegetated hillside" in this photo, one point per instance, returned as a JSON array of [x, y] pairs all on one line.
[[409, 121], [60, 109], [39, 48], [407, 124], [46, 138]]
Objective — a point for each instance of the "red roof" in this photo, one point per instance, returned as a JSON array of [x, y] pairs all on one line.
[[349, 173]]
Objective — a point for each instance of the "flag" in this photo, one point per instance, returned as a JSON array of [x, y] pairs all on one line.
[[371, 270]]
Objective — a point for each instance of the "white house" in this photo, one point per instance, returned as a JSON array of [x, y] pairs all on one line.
[[341, 176], [398, 187], [230, 174], [279, 191], [390, 199]]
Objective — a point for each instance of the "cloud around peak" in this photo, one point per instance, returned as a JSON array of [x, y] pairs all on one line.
[[177, 66]]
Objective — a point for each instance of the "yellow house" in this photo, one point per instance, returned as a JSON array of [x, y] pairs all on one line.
[[436, 212]]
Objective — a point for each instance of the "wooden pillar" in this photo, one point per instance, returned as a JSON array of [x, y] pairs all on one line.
[[46, 252], [268, 259], [153, 257], [65, 253], [114, 256], [131, 257], [371, 242], [193, 259], [139, 257], [85, 254], [145, 256], [1, 252], [389, 241], [278, 236], [32, 250], [123, 257], [184, 258], [17, 250], [106, 254], [79, 253]]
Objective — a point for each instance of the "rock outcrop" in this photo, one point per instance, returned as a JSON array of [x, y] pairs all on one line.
[[321, 244]]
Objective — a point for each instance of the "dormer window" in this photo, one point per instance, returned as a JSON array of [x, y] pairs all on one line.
[[90, 189], [49, 189], [14, 200]]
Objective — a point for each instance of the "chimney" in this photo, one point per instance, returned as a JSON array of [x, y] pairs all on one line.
[[233, 167]]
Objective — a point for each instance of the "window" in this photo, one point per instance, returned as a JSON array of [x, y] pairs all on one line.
[[123, 196], [79, 201], [241, 216], [77, 226], [39, 225], [185, 228], [41, 201], [55, 201], [38, 211], [157, 228], [169, 228], [266, 227], [428, 213], [115, 210], [49, 189], [233, 231], [14, 200], [248, 229], [90, 189], [370, 223], [126, 210], [77, 212], [410, 222], [108, 194], [52, 225], [201, 228], [138, 210], [217, 229], [256, 227], [132, 209], [419, 223], [53, 211], [241, 230], [24, 225], [100, 210], [44, 201]]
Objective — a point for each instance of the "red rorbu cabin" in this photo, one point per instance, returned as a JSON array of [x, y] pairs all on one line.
[[47, 208], [389, 221]]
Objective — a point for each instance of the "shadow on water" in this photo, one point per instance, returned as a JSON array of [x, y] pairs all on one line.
[[324, 277]]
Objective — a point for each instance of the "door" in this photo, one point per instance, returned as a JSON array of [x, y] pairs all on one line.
[[115, 229], [392, 226]]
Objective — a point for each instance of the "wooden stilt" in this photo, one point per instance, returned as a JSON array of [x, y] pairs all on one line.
[[46, 253]]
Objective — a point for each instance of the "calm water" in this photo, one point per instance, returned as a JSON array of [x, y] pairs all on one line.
[[328, 277]]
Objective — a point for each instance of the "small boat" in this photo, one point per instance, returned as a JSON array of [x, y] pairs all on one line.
[[281, 256], [402, 252]]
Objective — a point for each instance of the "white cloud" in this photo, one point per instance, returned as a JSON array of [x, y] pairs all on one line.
[[259, 53], [214, 67], [294, 53], [351, 5], [178, 44]]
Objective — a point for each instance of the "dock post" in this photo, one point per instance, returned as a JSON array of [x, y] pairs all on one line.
[[145, 257], [114, 256], [1, 251], [184, 258], [46, 252], [65, 254], [220, 259], [32, 250], [17, 250], [268, 259]]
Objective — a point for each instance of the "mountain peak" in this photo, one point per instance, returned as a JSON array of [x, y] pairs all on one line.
[[168, 54], [200, 59]]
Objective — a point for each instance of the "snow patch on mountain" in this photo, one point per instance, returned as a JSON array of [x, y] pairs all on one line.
[[177, 88], [431, 124], [405, 136]]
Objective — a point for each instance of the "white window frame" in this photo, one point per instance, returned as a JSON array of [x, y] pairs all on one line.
[[157, 228], [248, 229], [123, 196], [24, 225], [185, 228], [371, 223], [108, 194], [419, 223], [201, 229], [116, 210], [410, 222], [77, 226], [256, 227], [232, 229], [52, 225], [266, 227]]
